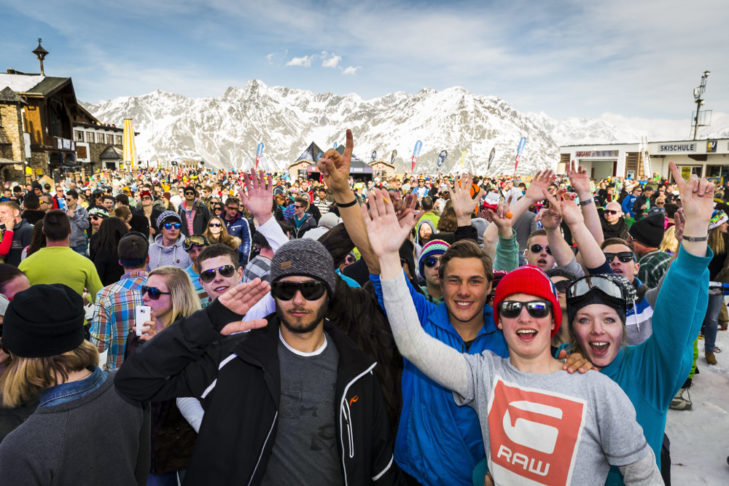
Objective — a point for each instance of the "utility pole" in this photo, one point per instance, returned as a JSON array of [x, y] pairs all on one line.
[[699, 100]]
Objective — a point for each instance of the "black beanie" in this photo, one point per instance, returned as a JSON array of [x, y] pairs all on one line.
[[649, 230], [44, 320]]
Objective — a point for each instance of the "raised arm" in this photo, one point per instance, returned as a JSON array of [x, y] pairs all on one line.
[[334, 169], [592, 255], [442, 363], [561, 250], [581, 184], [258, 199]]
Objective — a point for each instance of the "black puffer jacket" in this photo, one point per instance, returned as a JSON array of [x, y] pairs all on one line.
[[239, 381]]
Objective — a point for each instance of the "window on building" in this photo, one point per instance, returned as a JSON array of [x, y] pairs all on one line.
[[78, 135], [118, 139], [109, 139], [90, 137]]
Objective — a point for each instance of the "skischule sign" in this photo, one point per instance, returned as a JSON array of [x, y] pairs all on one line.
[[677, 147]]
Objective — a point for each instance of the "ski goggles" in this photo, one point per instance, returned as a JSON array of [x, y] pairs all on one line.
[[587, 283], [225, 271], [153, 292], [623, 256], [537, 248], [195, 240], [311, 290], [535, 308]]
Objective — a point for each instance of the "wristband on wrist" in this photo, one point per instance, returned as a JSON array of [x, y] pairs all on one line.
[[695, 239], [347, 205], [590, 200]]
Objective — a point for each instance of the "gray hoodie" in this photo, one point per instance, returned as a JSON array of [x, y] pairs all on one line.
[[174, 255]]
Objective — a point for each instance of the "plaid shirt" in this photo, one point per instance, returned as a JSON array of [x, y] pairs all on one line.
[[653, 267], [114, 315], [259, 267]]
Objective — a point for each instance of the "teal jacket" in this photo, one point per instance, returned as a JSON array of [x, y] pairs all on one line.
[[651, 373]]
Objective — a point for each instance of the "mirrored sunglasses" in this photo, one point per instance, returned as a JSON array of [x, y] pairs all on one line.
[[169, 226], [535, 308], [225, 271], [537, 248]]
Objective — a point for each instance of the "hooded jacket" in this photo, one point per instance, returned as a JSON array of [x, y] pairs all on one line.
[[438, 442], [238, 379], [175, 255]]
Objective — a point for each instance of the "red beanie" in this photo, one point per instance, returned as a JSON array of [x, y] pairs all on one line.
[[529, 280]]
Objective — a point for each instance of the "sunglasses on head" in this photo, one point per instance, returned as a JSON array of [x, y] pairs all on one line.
[[311, 290], [430, 262], [623, 256], [537, 248], [535, 308], [225, 271], [153, 292], [169, 226]]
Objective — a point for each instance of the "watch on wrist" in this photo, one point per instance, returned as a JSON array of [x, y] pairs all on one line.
[[587, 201]]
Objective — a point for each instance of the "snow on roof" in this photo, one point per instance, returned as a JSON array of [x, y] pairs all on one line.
[[20, 83]]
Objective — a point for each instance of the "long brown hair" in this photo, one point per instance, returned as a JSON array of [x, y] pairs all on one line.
[[224, 237]]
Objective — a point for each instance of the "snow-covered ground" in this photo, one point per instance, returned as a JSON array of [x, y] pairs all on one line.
[[700, 437]]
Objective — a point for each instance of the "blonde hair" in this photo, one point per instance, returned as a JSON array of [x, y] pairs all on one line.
[[669, 242], [182, 293], [25, 378], [716, 241]]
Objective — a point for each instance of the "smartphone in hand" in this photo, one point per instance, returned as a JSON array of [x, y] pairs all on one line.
[[142, 315]]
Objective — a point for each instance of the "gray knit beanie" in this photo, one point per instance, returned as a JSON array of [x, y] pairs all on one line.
[[304, 257]]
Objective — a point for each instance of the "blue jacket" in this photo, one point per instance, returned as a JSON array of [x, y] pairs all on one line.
[[240, 229], [438, 442], [651, 373], [627, 205]]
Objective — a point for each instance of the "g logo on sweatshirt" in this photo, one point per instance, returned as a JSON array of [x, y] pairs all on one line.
[[533, 434]]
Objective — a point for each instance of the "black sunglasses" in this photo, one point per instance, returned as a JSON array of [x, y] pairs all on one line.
[[154, 292], [562, 286], [535, 308], [623, 256], [430, 262], [611, 211], [311, 290], [215, 225], [537, 248], [187, 193], [225, 271]]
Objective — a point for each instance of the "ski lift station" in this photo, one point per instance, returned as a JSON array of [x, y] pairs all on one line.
[[706, 158]]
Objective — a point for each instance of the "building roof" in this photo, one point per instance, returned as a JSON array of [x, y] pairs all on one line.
[[20, 83], [48, 86], [311, 153], [7, 95], [111, 153]]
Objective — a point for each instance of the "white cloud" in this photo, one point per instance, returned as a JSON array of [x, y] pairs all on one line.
[[269, 57], [304, 61], [351, 70], [330, 61]]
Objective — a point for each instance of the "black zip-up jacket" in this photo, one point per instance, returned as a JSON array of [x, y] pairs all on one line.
[[238, 379]]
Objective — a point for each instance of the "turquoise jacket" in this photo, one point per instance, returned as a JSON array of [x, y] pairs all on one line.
[[438, 442], [651, 373]]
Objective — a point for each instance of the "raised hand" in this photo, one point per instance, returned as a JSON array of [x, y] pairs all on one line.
[[386, 233], [257, 196], [242, 326], [566, 207], [463, 204], [579, 181], [549, 218], [243, 296], [334, 168], [501, 217], [539, 184], [697, 196]]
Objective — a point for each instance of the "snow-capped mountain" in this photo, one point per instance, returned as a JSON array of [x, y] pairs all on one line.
[[225, 131]]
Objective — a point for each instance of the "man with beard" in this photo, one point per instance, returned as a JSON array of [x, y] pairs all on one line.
[[294, 399], [613, 221]]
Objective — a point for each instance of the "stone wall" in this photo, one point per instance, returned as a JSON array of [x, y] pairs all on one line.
[[12, 127]]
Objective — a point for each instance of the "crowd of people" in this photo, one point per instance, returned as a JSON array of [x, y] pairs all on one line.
[[200, 326]]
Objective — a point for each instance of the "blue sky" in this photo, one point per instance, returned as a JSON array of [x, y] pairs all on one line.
[[565, 58]]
